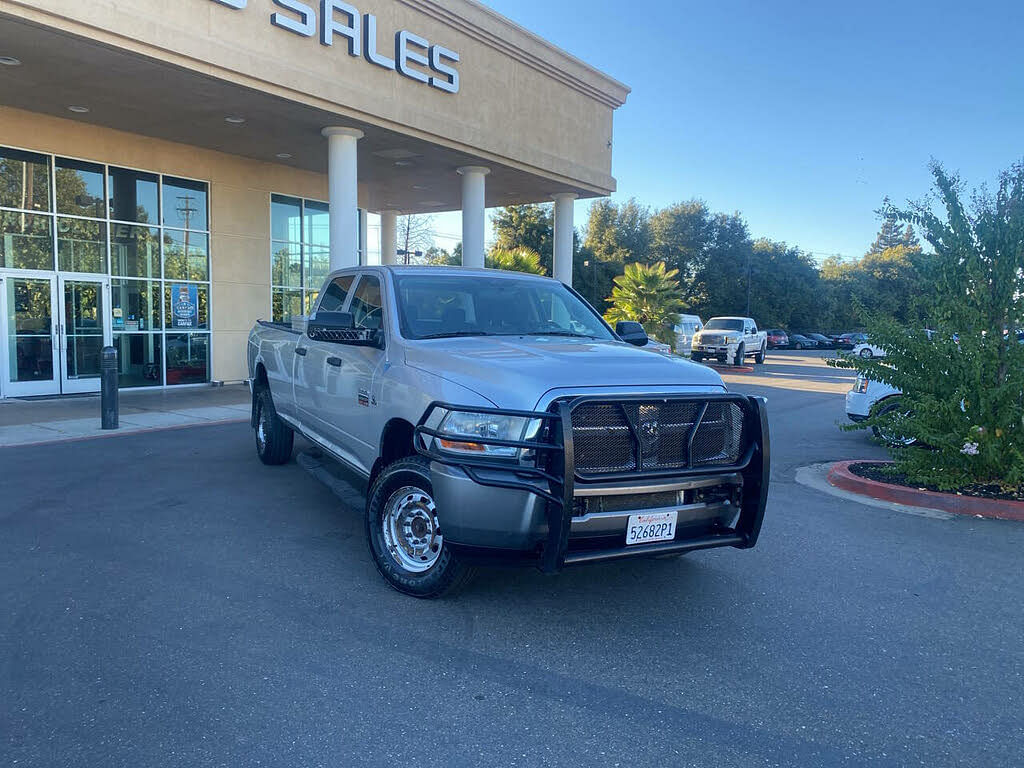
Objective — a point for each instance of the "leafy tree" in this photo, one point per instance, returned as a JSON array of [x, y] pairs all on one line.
[[963, 389], [529, 226], [892, 236], [519, 259], [619, 233], [681, 235], [785, 287], [441, 257], [648, 294]]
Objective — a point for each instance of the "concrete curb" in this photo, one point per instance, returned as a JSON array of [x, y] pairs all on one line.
[[730, 368], [841, 477]]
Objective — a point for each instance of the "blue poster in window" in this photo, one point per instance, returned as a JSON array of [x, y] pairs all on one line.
[[185, 305]]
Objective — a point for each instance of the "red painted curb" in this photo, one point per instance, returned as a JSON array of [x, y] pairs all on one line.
[[1003, 509]]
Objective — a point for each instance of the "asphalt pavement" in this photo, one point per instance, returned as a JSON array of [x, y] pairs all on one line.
[[167, 600]]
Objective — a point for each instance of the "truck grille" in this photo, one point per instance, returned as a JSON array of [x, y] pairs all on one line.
[[645, 436]]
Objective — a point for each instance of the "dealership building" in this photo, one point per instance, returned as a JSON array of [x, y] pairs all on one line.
[[170, 172]]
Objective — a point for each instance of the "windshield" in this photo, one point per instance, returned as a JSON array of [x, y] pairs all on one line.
[[724, 324], [441, 306]]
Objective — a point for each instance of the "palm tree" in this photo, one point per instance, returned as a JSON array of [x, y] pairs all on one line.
[[648, 294], [518, 259]]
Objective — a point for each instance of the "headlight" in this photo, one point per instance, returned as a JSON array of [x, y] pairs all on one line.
[[862, 384], [460, 427], [730, 339]]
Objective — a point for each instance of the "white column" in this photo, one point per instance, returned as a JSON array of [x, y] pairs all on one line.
[[363, 253], [342, 185], [389, 237], [473, 214], [562, 261]]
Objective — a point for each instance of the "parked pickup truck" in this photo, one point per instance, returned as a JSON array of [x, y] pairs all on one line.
[[730, 339], [498, 419]]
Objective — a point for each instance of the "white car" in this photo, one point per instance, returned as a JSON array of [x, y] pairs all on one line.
[[867, 398], [867, 350]]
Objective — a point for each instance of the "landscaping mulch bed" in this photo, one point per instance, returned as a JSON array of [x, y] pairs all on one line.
[[883, 473]]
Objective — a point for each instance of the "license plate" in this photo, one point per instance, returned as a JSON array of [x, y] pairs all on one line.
[[647, 529]]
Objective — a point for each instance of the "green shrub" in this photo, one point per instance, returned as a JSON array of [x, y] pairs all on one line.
[[964, 386]]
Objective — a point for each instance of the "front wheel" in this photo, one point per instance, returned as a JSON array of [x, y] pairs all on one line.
[[274, 438], [741, 352], [405, 536]]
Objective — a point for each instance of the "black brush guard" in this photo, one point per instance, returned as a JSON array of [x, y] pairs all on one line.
[[552, 475]]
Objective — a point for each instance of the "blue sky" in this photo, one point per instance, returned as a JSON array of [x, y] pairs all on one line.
[[802, 116]]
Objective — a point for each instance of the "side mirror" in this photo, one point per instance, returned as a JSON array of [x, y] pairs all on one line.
[[340, 328], [631, 332]]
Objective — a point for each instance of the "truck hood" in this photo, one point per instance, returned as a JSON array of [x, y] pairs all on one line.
[[516, 372]]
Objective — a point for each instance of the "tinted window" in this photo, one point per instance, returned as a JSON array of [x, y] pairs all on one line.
[[723, 324], [80, 189], [24, 180], [336, 293], [185, 204], [460, 305], [133, 196], [367, 307]]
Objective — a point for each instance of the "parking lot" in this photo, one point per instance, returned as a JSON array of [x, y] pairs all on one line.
[[168, 600]]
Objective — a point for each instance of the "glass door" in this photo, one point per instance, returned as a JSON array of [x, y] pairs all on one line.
[[28, 321], [84, 331]]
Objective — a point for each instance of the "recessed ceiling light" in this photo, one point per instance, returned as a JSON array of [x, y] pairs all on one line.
[[395, 154], [78, 110], [234, 119], [403, 162], [10, 61], [284, 156]]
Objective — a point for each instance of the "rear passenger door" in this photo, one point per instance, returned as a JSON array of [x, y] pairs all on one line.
[[352, 378], [310, 371]]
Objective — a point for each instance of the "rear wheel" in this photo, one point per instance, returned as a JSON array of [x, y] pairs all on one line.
[[274, 438], [759, 357], [867, 353], [405, 535]]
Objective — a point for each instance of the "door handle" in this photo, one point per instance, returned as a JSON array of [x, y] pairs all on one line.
[[335, 361], [301, 351]]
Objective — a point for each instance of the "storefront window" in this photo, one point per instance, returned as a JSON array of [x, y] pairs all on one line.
[[186, 255], [184, 204], [149, 232], [24, 180], [300, 254], [134, 196], [188, 358], [26, 240], [134, 251], [80, 189], [81, 245], [140, 359]]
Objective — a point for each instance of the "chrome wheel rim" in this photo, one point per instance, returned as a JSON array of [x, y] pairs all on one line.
[[412, 533], [261, 429]]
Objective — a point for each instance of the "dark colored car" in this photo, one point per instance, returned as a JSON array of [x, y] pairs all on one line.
[[777, 338], [848, 341], [802, 342], [824, 342]]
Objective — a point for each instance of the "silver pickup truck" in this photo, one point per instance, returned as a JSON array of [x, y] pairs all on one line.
[[498, 419]]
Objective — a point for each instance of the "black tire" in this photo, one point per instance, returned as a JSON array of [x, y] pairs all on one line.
[[741, 353], [866, 353], [274, 438], [447, 574], [883, 434], [759, 357], [797, 345]]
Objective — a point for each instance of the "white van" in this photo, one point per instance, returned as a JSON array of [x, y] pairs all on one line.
[[684, 328]]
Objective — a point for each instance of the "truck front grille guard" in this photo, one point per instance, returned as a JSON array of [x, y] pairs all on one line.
[[552, 475]]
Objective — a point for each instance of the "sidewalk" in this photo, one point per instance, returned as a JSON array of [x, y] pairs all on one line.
[[33, 421]]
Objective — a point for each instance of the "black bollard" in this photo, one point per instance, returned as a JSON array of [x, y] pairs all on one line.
[[108, 387]]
